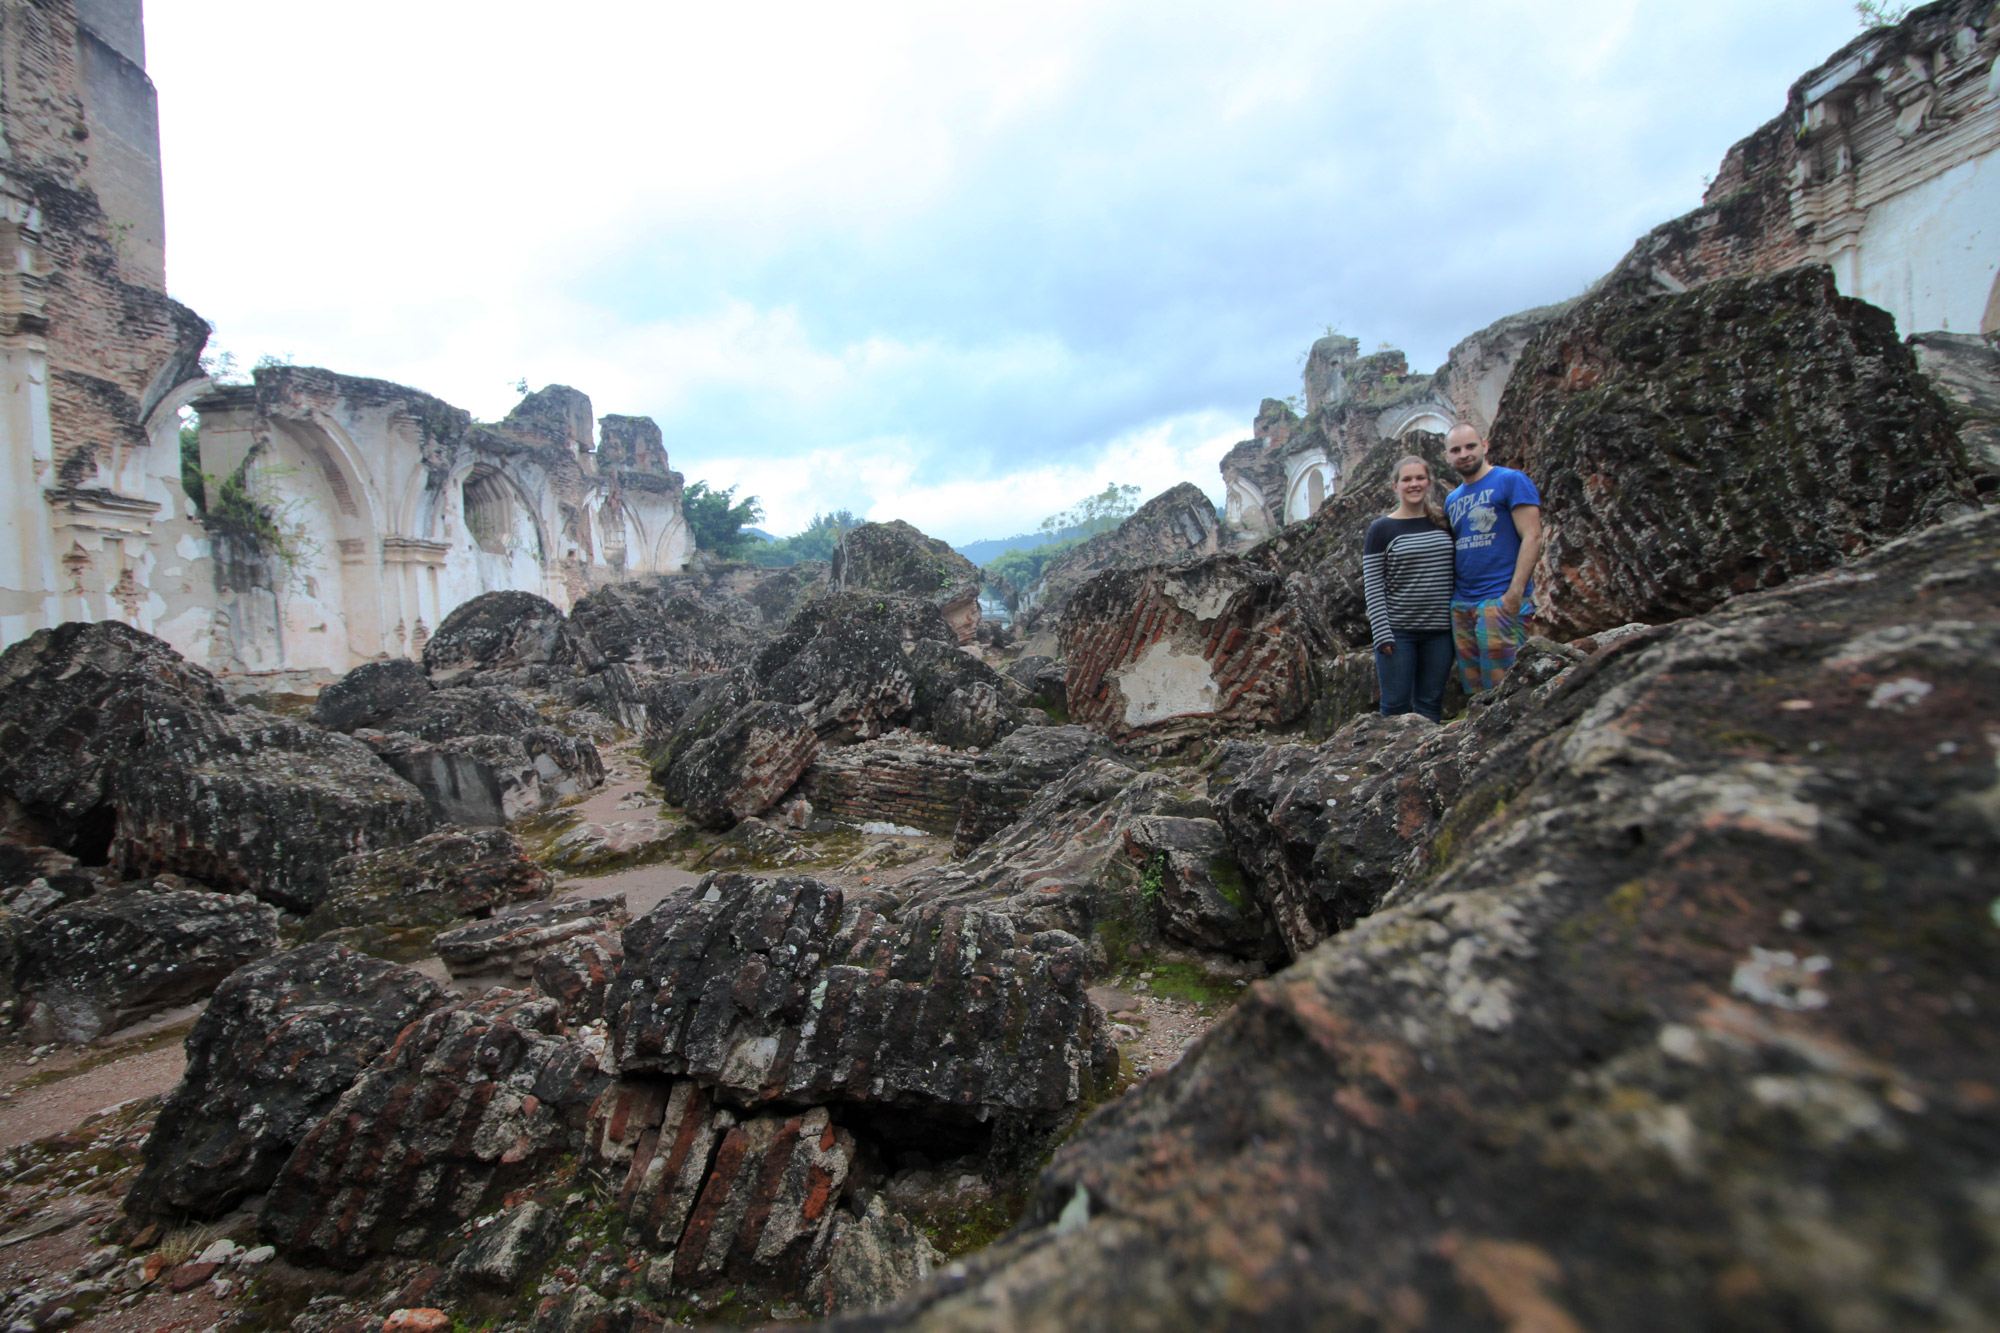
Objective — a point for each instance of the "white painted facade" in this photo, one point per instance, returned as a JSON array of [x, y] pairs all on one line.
[[1897, 181]]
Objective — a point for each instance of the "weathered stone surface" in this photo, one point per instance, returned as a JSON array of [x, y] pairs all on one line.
[[746, 1203], [1106, 854], [1000, 783], [467, 710], [576, 973], [783, 991], [1189, 877], [770, 1199], [715, 700], [498, 629], [280, 1041], [960, 700], [392, 902], [659, 1139], [514, 939], [74, 703], [872, 1260], [489, 779], [1325, 831], [503, 1252], [372, 694], [259, 804], [841, 663], [105, 961], [650, 703], [894, 557], [115, 748], [469, 1102], [1164, 655], [744, 766], [900, 779], [1694, 446], [1177, 525], [680, 624], [1679, 1029], [1965, 370], [35, 879]]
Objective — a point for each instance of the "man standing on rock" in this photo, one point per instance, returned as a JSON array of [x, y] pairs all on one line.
[[1496, 521]]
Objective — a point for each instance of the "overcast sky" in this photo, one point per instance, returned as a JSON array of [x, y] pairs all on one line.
[[956, 264]]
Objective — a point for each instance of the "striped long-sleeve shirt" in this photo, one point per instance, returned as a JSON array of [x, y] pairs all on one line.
[[1406, 567]]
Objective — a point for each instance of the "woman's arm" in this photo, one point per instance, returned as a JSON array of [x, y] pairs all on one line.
[[1375, 589]]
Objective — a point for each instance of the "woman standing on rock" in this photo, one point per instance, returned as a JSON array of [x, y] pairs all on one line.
[[1406, 570]]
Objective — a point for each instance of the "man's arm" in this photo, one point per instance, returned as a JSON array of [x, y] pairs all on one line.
[[1527, 522]]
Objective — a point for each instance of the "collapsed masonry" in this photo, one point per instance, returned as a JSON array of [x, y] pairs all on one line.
[[361, 513]]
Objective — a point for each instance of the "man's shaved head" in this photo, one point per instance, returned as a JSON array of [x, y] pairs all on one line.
[[1465, 450]]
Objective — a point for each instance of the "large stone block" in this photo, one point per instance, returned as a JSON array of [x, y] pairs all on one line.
[[780, 991], [896, 779], [894, 557], [258, 804], [744, 766], [471, 1101], [1164, 655], [498, 629], [75, 702], [841, 663], [371, 695], [279, 1043], [1001, 782], [103, 962], [1697, 446], [1175, 526], [400, 897]]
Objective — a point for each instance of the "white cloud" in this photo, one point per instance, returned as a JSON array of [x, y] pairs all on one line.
[[945, 257]]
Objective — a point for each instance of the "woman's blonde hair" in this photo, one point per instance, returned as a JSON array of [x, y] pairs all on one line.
[[1431, 509]]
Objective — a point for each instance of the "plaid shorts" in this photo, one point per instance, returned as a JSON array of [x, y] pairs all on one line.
[[1487, 639]]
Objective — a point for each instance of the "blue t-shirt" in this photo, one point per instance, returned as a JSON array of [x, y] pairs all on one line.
[[1482, 519]]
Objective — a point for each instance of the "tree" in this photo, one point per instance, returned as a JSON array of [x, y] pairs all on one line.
[[1024, 568], [191, 478], [1874, 14], [717, 519], [815, 543], [1098, 513]]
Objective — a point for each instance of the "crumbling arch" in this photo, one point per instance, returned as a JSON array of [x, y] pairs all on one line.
[[493, 507], [1309, 489], [1432, 417]]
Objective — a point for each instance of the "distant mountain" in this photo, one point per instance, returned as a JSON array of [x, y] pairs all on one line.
[[982, 552]]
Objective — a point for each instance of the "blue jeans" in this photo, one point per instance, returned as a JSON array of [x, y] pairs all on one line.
[[1413, 676]]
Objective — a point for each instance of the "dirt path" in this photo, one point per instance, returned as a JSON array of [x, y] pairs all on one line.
[[49, 1089]]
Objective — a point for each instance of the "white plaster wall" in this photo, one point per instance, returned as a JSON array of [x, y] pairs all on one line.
[[1299, 469], [27, 552], [1929, 255]]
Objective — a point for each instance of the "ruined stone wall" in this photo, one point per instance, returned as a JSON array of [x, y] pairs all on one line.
[[1294, 465], [98, 360], [1882, 165], [398, 507]]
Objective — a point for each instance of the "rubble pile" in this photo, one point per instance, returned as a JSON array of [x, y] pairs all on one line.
[[1131, 973]]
